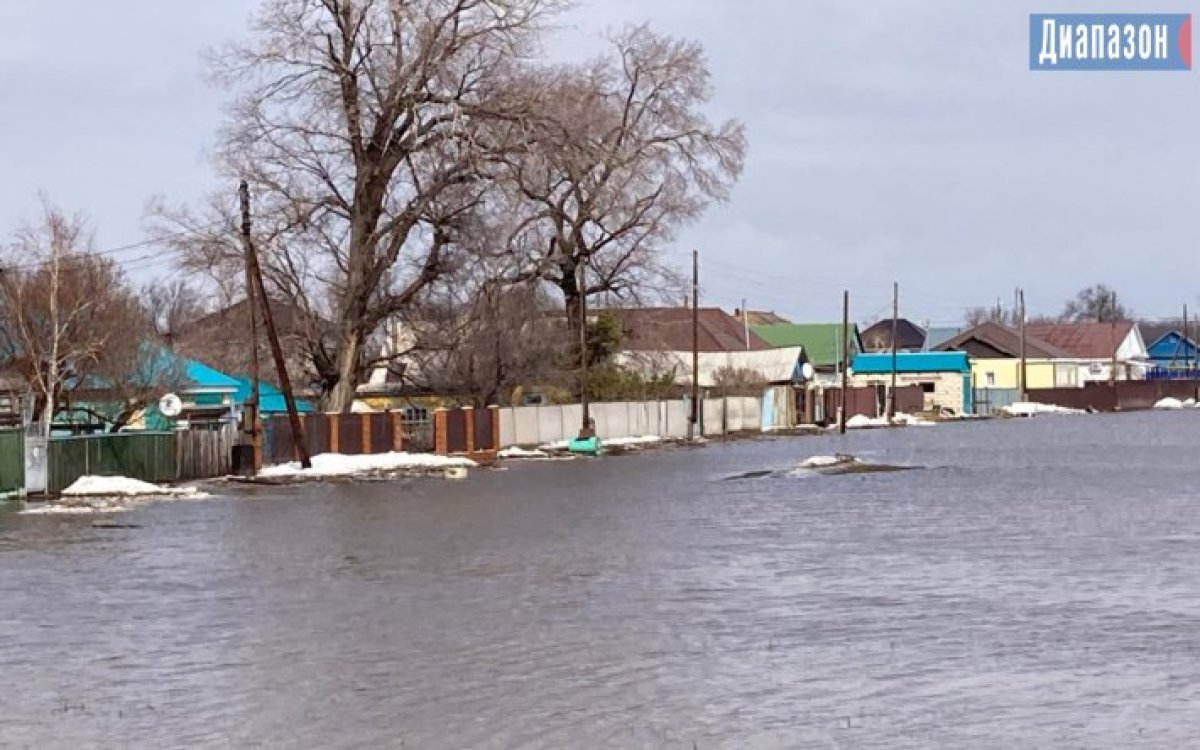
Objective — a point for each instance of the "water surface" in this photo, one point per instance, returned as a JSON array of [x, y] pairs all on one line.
[[1034, 585]]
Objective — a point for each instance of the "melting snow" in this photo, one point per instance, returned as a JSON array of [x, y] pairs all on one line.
[[123, 487], [338, 465], [1029, 409], [517, 452], [1169, 403]]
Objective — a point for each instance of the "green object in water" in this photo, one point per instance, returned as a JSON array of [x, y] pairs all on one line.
[[587, 446]]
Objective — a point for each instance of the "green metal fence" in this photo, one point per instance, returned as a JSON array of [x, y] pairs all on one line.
[[12, 461], [148, 456]]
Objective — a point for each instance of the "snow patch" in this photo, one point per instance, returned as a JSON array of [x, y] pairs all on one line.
[[339, 465], [1030, 409], [862, 422], [1171, 404], [518, 452], [91, 486], [818, 462], [55, 509]]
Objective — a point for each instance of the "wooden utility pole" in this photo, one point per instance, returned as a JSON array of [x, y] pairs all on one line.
[[891, 406], [1022, 374], [285, 381], [1112, 327], [252, 431], [845, 360], [1187, 355], [746, 323], [585, 428], [694, 421]]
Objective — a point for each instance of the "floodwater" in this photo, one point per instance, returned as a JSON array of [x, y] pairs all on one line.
[[1035, 585]]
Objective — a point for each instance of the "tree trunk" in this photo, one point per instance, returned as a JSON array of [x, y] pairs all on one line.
[[341, 396]]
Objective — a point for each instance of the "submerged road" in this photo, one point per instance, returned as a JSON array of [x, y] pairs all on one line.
[[1036, 584]]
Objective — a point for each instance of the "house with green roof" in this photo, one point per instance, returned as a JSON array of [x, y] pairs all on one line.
[[821, 343]]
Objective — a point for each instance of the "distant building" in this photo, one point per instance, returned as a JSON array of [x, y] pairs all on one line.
[[995, 352], [760, 318], [658, 341], [821, 342], [1097, 347], [910, 337], [944, 377], [1169, 350]]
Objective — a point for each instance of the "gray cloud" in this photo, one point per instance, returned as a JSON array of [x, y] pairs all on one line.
[[900, 139]]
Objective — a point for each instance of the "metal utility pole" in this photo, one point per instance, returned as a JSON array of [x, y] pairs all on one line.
[[694, 421], [891, 407], [845, 360], [251, 415], [285, 381], [1022, 374]]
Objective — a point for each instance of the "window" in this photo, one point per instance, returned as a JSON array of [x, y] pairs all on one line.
[[991, 379], [928, 387]]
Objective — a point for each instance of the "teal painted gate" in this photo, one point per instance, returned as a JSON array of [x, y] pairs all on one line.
[[148, 456]]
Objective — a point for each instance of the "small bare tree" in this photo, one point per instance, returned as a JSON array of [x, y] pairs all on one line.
[[360, 126], [74, 324], [618, 156]]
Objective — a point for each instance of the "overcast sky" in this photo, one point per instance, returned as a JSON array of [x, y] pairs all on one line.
[[907, 143]]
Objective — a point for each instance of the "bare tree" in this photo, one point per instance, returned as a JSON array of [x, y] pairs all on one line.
[[73, 323], [998, 314], [360, 126], [1097, 304], [617, 158], [173, 305]]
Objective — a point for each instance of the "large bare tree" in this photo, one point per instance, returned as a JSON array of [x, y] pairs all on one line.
[[619, 155], [360, 126]]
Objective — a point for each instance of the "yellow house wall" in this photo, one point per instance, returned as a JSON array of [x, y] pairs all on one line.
[[1004, 371]]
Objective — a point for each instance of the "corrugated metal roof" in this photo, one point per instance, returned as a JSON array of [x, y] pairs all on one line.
[[270, 398], [1083, 340], [874, 364], [773, 365], [651, 329], [821, 341], [1006, 341]]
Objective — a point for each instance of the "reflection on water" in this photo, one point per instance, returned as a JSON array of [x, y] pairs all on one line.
[[1033, 586]]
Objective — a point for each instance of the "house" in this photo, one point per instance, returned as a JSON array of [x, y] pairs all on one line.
[[760, 317], [1097, 347], [1171, 353], [938, 335], [659, 340], [944, 377], [909, 336], [995, 355], [14, 395], [821, 344], [222, 340]]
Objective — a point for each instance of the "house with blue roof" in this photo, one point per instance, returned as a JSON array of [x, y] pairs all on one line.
[[944, 377], [1171, 353]]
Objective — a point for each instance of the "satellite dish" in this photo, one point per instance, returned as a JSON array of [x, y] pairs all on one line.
[[170, 405], [807, 371]]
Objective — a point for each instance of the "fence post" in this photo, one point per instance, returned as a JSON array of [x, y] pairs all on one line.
[[469, 423], [397, 432], [295, 444], [335, 433], [439, 431], [495, 412], [366, 434]]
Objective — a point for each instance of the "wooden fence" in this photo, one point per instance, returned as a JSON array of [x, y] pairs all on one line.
[[12, 461], [871, 401], [466, 430], [203, 454], [148, 456]]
